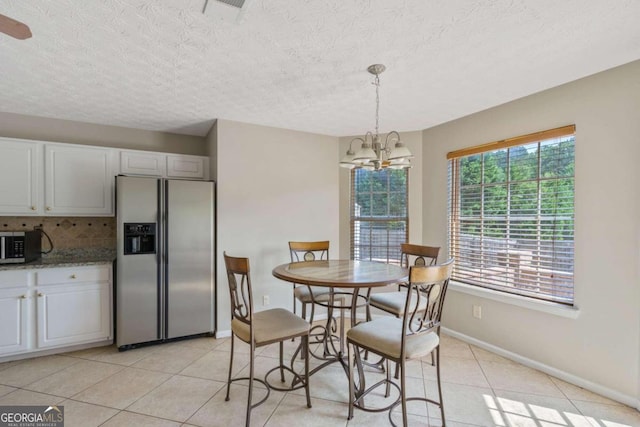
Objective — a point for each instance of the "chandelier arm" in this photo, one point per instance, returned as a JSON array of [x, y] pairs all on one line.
[[369, 134], [386, 141]]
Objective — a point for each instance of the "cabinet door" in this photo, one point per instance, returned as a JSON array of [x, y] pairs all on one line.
[[141, 163], [13, 320], [79, 180], [73, 314], [19, 177], [186, 167]]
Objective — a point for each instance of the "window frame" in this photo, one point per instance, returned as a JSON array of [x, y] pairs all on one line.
[[353, 218], [455, 222]]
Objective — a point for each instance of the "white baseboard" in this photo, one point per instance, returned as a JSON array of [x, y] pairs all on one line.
[[47, 352], [223, 334], [564, 376]]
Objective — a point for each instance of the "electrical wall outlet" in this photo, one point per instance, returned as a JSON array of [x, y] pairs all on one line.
[[265, 300], [477, 311]]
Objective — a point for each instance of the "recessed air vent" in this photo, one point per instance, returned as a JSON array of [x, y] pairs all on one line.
[[234, 3], [226, 10]]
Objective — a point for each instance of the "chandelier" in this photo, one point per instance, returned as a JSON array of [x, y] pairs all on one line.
[[373, 154]]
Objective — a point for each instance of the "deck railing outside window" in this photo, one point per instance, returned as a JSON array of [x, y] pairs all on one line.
[[511, 215]]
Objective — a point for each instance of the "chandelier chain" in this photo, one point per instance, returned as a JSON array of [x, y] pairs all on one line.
[[377, 84]]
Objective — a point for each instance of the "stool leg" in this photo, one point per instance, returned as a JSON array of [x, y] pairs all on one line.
[[352, 394], [250, 394], [305, 340], [403, 392], [230, 368], [294, 299], [437, 360], [282, 361]]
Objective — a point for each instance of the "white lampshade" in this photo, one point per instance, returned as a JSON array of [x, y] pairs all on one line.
[[365, 154], [400, 151], [347, 160], [399, 164]]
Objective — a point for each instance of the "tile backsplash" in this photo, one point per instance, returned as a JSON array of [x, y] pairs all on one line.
[[67, 232]]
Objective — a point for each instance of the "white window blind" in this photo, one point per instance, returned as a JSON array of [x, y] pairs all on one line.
[[511, 215], [379, 214]]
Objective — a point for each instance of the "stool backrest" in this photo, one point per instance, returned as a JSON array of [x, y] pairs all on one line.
[[239, 288], [430, 283], [309, 251], [418, 255]]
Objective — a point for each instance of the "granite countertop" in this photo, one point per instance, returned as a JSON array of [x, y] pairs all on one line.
[[67, 258]]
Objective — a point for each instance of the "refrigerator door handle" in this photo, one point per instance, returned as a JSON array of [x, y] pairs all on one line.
[[165, 254], [160, 262]]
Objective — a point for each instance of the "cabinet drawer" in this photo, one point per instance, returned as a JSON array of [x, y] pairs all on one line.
[[73, 274], [14, 278]]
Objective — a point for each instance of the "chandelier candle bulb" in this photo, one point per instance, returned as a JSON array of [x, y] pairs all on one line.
[[373, 154]]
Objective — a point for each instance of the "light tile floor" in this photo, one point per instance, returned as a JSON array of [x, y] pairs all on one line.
[[182, 384]]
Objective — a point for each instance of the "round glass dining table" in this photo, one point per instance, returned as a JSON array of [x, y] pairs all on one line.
[[344, 279]]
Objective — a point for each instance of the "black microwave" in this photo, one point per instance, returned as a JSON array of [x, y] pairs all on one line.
[[20, 246]]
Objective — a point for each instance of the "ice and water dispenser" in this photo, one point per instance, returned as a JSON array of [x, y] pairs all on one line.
[[139, 238]]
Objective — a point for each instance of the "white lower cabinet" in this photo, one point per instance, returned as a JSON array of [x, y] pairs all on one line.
[[72, 314], [55, 308], [13, 320]]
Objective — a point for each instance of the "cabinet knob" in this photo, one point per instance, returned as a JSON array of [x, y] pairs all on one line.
[[73, 276], [33, 208], [48, 208], [40, 294], [23, 297]]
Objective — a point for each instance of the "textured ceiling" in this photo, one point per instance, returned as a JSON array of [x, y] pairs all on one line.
[[301, 64]]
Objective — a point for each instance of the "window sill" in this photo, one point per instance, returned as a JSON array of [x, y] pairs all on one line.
[[517, 300]]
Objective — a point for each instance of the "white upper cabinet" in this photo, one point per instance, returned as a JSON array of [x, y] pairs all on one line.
[[186, 167], [163, 165], [142, 163], [19, 177], [78, 180], [45, 178]]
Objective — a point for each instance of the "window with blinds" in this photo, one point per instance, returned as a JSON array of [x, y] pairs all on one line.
[[379, 214], [511, 215]]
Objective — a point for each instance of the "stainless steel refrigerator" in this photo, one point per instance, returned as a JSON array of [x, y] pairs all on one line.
[[165, 259]]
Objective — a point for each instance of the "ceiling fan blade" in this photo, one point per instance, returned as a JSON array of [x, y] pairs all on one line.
[[14, 28]]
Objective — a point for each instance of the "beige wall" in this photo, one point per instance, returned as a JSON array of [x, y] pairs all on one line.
[[55, 130], [602, 345], [273, 185], [413, 141]]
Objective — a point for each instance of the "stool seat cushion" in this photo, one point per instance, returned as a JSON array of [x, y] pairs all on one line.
[[393, 302], [271, 326], [383, 336]]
